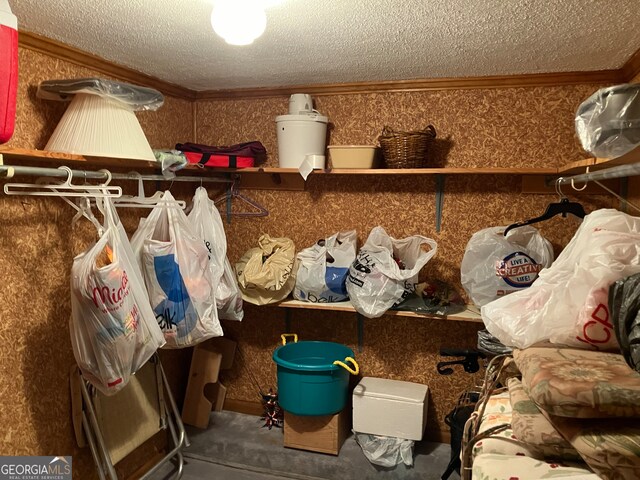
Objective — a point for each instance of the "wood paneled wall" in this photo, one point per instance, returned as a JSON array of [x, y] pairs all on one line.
[[37, 246], [496, 127], [517, 127]]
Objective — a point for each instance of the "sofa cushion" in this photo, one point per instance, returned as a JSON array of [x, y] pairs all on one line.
[[579, 383], [611, 447], [530, 426], [510, 467]]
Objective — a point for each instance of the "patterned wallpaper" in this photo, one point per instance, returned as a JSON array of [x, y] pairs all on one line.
[[499, 127], [516, 127]]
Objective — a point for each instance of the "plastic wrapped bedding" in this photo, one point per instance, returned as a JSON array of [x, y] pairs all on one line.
[[131, 96], [608, 122]]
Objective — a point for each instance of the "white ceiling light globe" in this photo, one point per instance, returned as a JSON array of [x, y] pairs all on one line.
[[239, 22]]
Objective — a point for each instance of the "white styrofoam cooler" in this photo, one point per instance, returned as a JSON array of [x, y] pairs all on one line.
[[390, 407]]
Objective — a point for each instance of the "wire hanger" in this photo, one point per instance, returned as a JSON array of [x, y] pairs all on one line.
[[64, 189], [233, 192], [563, 207]]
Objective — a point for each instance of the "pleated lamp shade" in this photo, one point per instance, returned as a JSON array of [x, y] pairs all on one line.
[[96, 126]]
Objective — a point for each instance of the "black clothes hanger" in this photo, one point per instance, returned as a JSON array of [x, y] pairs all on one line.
[[563, 207]]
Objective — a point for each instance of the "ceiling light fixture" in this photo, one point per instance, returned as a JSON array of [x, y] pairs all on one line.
[[239, 22]]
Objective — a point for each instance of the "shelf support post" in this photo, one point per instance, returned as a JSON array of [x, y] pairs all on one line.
[[624, 193], [440, 178], [360, 323]]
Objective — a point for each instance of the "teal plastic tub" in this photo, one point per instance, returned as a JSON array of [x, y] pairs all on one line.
[[313, 377]]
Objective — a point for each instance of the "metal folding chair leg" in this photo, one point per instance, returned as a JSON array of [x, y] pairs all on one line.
[[169, 418]]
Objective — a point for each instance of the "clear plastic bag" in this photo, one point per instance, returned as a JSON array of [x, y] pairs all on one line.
[[323, 269], [385, 451], [494, 265], [113, 329], [206, 221], [608, 122], [266, 273], [131, 96], [385, 271], [568, 302], [175, 264]]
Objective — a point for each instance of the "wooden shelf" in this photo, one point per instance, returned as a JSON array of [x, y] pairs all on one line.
[[594, 164], [23, 154], [470, 314]]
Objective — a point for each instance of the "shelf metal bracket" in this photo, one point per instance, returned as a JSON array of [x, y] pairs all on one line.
[[440, 178], [360, 326], [287, 320], [624, 193]]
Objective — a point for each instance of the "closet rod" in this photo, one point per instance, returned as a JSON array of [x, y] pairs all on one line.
[[613, 172], [8, 171]]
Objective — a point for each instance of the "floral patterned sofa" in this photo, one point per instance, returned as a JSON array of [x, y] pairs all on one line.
[[551, 412]]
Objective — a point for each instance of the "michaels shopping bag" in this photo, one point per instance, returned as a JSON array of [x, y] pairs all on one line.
[[386, 271], [175, 264], [323, 269], [495, 265], [206, 221], [113, 329], [266, 273], [568, 303]]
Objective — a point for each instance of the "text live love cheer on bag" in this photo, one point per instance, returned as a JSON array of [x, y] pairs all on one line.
[[386, 271], [495, 265], [323, 269], [175, 264], [113, 329], [568, 302]]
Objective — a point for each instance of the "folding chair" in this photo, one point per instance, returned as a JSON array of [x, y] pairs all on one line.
[[114, 426]]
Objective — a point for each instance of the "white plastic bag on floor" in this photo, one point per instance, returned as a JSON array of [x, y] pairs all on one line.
[[495, 265], [113, 329], [386, 451], [568, 302], [206, 221], [175, 264], [323, 269], [386, 271]]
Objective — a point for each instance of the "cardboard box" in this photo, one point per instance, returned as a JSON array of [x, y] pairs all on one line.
[[324, 434]]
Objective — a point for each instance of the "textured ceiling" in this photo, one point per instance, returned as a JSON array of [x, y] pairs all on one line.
[[336, 41]]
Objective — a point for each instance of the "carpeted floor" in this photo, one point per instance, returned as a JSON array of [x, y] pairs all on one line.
[[236, 447]]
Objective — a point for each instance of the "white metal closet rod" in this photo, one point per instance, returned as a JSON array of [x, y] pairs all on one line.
[[613, 172], [97, 175]]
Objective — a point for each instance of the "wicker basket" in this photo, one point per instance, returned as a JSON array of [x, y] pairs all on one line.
[[406, 149]]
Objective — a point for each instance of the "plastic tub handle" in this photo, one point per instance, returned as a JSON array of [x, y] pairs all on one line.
[[347, 367], [285, 335]]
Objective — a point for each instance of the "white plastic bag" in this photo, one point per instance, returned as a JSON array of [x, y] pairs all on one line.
[[386, 271], [568, 302], [494, 265], [323, 269], [386, 451], [206, 221], [113, 329], [175, 264]]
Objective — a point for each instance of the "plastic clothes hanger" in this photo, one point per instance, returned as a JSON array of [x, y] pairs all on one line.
[[64, 189], [142, 201], [232, 193], [563, 207]]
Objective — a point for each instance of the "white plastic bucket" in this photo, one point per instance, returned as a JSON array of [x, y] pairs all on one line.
[[300, 137]]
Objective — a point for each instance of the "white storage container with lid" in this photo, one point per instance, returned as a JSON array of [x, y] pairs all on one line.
[[301, 137], [390, 407]]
